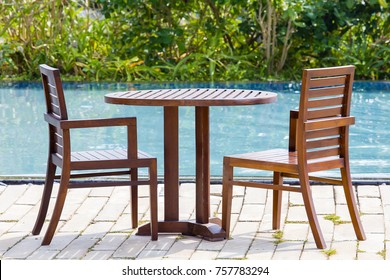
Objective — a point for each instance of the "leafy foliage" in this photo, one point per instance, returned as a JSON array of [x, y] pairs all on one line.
[[191, 40]]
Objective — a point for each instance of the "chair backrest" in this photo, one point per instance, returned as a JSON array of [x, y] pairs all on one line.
[[56, 108], [324, 116], [54, 94]]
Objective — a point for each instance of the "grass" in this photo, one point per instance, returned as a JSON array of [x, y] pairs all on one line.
[[329, 252], [335, 219], [278, 235]]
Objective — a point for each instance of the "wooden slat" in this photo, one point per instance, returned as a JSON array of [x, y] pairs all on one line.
[[328, 81], [325, 164], [323, 143], [338, 101], [58, 139], [58, 149], [323, 133], [329, 123], [265, 186], [324, 113], [329, 91], [323, 153]]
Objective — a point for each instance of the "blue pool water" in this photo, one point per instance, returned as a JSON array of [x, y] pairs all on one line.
[[23, 133]]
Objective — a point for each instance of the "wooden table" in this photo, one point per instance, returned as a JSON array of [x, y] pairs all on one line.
[[202, 99]]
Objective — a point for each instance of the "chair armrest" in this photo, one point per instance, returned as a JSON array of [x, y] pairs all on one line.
[[293, 131], [68, 124]]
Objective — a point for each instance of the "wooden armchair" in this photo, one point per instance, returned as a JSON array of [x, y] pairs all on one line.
[[120, 162], [318, 141]]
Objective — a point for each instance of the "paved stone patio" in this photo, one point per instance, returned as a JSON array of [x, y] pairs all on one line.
[[96, 225]]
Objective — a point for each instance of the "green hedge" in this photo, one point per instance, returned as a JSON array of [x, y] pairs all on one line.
[[186, 40]]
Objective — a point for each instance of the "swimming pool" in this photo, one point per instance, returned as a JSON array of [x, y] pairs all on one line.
[[23, 133]]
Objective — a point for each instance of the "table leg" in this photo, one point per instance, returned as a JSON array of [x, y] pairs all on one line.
[[171, 163], [202, 132], [210, 229]]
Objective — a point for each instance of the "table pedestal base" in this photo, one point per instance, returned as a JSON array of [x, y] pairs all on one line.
[[211, 231]]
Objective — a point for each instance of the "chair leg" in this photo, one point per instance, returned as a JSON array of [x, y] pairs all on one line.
[[277, 201], [351, 202], [227, 195], [310, 211], [62, 192], [134, 198], [153, 201], [47, 190]]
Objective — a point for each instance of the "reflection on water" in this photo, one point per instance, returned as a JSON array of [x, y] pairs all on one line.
[[23, 133]]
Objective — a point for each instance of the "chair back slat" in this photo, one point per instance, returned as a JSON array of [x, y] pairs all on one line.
[[324, 81], [324, 113], [326, 154], [331, 132], [323, 142]]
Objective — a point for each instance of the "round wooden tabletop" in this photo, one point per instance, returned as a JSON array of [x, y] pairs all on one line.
[[191, 97]]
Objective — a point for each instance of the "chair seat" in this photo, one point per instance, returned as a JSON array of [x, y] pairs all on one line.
[[102, 155], [106, 159], [276, 159]]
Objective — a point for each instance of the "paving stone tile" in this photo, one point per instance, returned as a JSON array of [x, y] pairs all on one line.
[[340, 196], [106, 191], [324, 206], [297, 214], [290, 250], [164, 243], [15, 212], [98, 255], [242, 237], [132, 247], [345, 250], [369, 256], [24, 248], [343, 212], [368, 191], [373, 223], [262, 247], [251, 213], [111, 242], [323, 192], [295, 199], [43, 254], [10, 195], [84, 215], [183, 248], [204, 255], [386, 218], [8, 240], [59, 242], [344, 232], [255, 195], [385, 194], [295, 231], [77, 249], [206, 245], [123, 224], [374, 243], [6, 226], [98, 229], [371, 205], [311, 252], [151, 255], [31, 196], [216, 189]]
